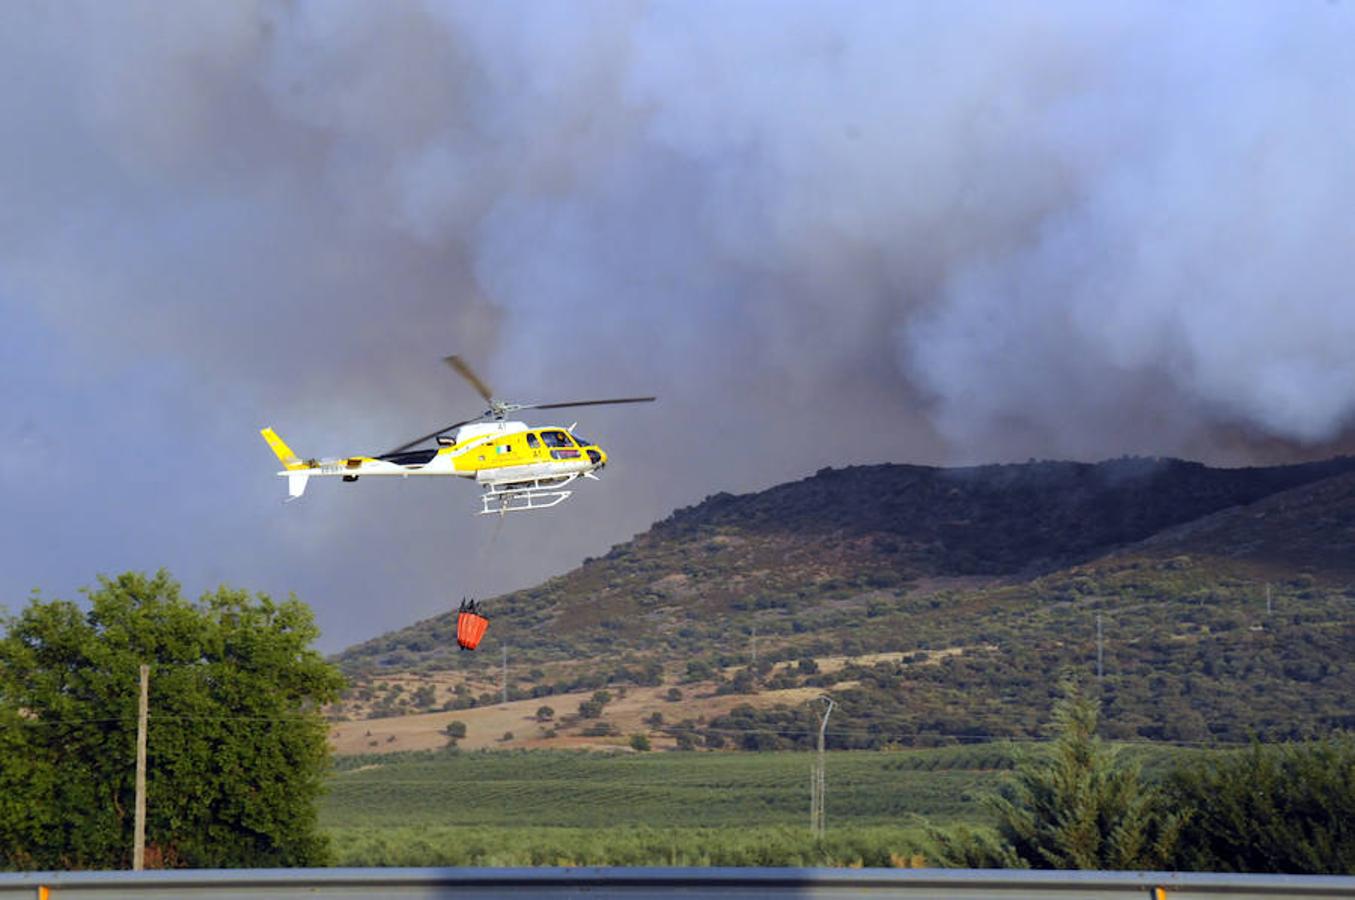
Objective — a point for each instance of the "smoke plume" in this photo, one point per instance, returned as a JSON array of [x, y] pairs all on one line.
[[822, 233]]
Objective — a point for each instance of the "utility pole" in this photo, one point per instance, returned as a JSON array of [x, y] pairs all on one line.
[[505, 673], [814, 800], [139, 834], [1267, 598], [754, 646], [1100, 650], [818, 783]]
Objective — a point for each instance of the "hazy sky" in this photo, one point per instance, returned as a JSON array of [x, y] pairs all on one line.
[[823, 233]]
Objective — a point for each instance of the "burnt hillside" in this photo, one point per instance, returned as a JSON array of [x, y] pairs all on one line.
[[999, 519], [842, 539], [950, 603]]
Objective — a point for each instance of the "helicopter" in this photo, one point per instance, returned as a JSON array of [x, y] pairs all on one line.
[[519, 467]]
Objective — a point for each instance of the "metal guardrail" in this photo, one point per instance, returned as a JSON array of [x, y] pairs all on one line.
[[953, 884]]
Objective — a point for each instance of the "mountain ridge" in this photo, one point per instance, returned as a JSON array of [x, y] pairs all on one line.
[[956, 601], [1017, 520]]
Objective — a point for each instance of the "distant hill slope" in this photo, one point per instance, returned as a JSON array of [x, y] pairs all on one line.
[[997, 519], [840, 537], [1308, 529], [935, 606]]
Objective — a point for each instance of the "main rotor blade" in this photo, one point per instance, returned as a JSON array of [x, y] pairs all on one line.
[[587, 403], [428, 437], [467, 373]]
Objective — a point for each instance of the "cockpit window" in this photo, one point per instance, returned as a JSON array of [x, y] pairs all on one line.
[[582, 442], [556, 439], [532, 441]]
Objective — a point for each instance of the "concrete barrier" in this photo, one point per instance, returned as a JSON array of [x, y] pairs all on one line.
[[953, 884]]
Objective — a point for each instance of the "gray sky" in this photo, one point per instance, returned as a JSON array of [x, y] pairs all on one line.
[[823, 233]]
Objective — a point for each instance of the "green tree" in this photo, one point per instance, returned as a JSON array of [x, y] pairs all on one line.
[[640, 742], [1081, 807], [1273, 808], [699, 670], [743, 682], [236, 747], [963, 847]]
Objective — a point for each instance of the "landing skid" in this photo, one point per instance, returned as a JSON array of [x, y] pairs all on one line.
[[522, 496]]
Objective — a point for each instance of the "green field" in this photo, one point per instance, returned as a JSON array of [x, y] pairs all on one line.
[[581, 790], [696, 809], [563, 808], [882, 845]]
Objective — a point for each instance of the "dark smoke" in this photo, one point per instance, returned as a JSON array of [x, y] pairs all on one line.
[[823, 233]]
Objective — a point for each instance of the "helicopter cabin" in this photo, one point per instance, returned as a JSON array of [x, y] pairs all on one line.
[[484, 429], [514, 443]]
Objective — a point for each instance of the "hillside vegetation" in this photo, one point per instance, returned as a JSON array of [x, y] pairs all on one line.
[[936, 606]]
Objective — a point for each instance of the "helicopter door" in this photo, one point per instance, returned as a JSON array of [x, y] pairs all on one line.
[[534, 446]]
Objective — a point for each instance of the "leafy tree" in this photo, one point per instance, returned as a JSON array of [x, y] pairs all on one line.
[[699, 670], [455, 730], [1081, 808], [236, 749], [1273, 808], [544, 713], [640, 742]]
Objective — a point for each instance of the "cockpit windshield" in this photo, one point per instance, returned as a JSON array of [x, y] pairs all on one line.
[[556, 439], [581, 441]]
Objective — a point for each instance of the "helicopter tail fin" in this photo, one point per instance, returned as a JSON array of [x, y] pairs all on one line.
[[296, 484], [284, 453]]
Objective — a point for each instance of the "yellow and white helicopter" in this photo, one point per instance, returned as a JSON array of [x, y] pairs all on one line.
[[519, 467]]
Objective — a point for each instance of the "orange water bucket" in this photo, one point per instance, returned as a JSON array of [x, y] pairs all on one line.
[[470, 626]]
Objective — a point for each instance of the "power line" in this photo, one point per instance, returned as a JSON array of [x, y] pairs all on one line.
[[160, 717], [1100, 650], [970, 738]]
